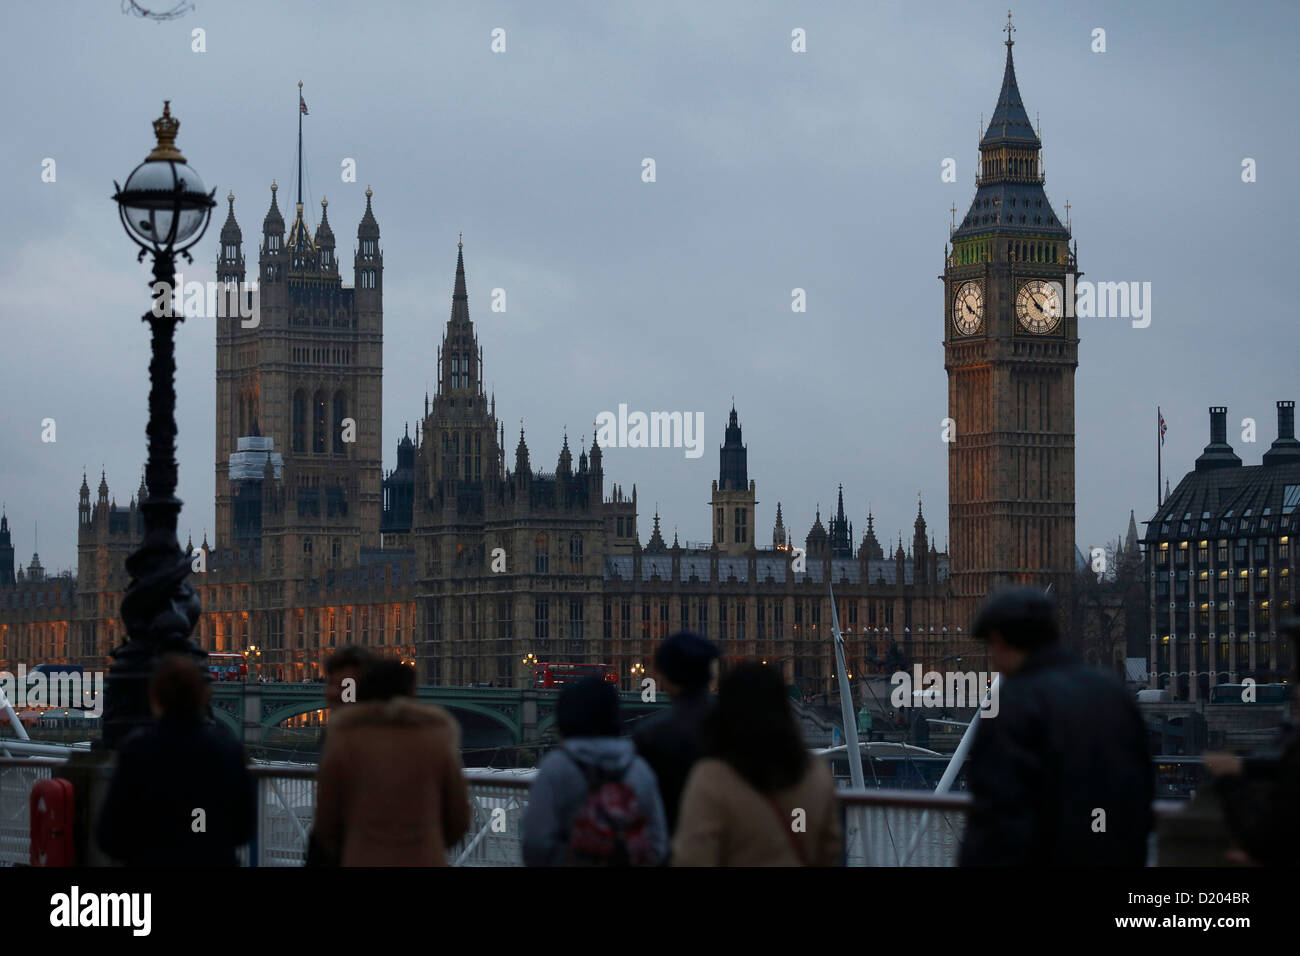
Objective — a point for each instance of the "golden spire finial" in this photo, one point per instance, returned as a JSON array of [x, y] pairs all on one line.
[[324, 202], [165, 128], [230, 197], [274, 187], [460, 240], [1008, 30], [368, 192]]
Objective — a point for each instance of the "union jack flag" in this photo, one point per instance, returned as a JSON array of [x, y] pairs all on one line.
[[302, 105], [1163, 427]]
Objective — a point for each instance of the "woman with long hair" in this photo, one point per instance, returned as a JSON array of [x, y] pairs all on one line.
[[758, 798]]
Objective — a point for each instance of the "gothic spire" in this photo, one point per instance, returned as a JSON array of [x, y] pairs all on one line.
[[230, 232], [564, 467], [368, 228], [459, 297], [1009, 195], [324, 234], [1010, 122], [733, 474], [656, 543], [273, 224], [521, 454]]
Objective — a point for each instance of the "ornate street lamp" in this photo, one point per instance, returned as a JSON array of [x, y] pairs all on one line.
[[165, 211]]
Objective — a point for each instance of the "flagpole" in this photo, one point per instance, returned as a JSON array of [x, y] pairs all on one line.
[[300, 145]]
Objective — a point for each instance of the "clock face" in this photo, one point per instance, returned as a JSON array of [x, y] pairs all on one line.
[[968, 308], [1038, 306]]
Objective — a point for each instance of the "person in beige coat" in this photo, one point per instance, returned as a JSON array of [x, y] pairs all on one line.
[[391, 788], [757, 798]]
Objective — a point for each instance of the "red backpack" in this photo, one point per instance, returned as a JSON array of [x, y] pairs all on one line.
[[610, 828]]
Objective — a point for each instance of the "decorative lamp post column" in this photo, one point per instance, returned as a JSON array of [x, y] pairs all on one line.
[[165, 211]]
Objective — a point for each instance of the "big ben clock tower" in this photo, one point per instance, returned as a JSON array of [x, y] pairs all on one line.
[[1010, 350]]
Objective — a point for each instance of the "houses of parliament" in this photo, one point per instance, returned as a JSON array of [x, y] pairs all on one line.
[[477, 550]]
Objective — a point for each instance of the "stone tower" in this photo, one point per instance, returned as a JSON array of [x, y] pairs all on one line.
[[6, 554], [301, 385], [733, 495], [1010, 351]]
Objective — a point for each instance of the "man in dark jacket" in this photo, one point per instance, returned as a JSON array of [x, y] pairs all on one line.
[[181, 794], [1061, 776], [670, 742]]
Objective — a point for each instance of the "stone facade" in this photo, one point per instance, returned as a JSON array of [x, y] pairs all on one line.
[[1221, 566]]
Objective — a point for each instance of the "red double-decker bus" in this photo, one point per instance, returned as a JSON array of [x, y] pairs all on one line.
[[549, 675], [227, 667]]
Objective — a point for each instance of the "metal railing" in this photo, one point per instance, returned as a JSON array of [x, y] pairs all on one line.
[[902, 827], [17, 777], [882, 828]]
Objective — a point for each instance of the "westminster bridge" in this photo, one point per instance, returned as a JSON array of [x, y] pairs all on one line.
[[489, 716]]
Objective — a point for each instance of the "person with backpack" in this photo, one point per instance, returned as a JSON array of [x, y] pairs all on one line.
[[595, 802], [758, 797]]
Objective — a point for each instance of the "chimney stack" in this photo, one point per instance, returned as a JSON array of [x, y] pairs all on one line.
[[1218, 453], [1285, 450]]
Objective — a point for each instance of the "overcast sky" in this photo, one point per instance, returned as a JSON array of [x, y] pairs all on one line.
[[775, 170]]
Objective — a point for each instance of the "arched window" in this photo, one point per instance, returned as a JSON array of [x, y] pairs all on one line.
[[320, 415], [575, 551], [300, 421], [340, 413], [541, 556]]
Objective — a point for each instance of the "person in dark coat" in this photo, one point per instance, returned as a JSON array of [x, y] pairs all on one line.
[[1060, 772], [181, 794], [1261, 794], [670, 742]]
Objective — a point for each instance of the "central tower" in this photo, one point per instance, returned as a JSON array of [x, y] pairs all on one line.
[[1010, 350]]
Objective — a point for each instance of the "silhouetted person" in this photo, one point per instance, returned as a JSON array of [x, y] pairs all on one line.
[[343, 670], [594, 802], [1261, 795], [757, 797], [181, 794], [670, 742], [1061, 775], [391, 788]]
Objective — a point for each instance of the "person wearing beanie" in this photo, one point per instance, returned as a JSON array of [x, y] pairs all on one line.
[[671, 742], [1064, 745]]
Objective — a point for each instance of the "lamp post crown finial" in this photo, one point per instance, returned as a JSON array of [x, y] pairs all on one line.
[[165, 128]]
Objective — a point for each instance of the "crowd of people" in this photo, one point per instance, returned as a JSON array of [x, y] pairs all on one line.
[[1060, 776]]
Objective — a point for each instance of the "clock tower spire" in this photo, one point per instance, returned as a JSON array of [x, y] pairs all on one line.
[[1010, 351]]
